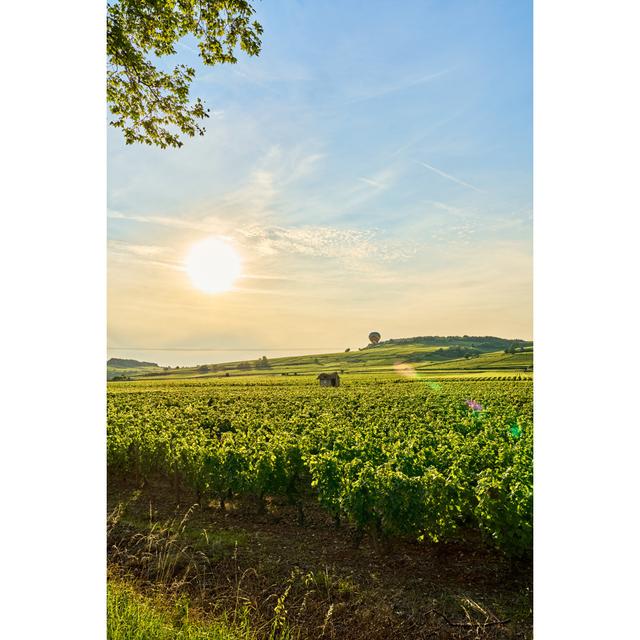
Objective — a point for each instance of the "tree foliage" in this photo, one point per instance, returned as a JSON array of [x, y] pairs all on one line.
[[153, 106], [263, 363]]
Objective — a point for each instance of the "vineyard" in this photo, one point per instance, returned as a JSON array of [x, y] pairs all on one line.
[[390, 458]]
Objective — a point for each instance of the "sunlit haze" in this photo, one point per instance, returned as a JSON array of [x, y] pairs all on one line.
[[213, 265]]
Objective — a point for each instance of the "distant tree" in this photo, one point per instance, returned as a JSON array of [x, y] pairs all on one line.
[[347, 350], [203, 368], [244, 366], [123, 378], [263, 363], [150, 105]]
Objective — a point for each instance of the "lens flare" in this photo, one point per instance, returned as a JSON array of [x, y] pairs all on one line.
[[476, 407], [407, 370]]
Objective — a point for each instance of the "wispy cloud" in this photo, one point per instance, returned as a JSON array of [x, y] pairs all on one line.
[[449, 208], [145, 250], [448, 176], [254, 199], [403, 85], [143, 254], [206, 224], [347, 246], [378, 184], [325, 242]]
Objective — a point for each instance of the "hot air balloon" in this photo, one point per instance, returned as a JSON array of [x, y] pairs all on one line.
[[374, 337]]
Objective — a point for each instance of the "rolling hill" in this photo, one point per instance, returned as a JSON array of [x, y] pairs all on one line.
[[423, 355], [123, 368]]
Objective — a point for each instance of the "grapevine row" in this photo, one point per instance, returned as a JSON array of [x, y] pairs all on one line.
[[409, 460]]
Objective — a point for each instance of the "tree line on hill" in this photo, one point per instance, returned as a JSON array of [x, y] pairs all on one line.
[[246, 365], [484, 343], [513, 348]]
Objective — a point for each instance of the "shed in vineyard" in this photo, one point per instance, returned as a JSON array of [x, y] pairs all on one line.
[[329, 380]]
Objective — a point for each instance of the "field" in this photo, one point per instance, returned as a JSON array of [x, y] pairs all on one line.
[[426, 356], [398, 505]]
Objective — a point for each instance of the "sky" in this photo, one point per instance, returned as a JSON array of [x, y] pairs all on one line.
[[373, 169]]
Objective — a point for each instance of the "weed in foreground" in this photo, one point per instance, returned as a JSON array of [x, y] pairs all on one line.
[[132, 616]]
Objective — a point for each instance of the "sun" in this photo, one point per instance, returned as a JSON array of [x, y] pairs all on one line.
[[213, 265]]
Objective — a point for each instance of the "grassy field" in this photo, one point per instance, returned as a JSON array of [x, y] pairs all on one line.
[[222, 504], [439, 357]]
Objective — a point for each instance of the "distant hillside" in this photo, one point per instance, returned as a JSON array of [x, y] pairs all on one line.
[[125, 369], [123, 363], [440, 355]]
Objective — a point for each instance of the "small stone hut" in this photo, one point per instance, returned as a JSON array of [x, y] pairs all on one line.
[[329, 380]]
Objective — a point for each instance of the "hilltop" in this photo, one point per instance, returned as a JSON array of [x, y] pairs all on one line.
[[124, 368], [428, 355], [484, 343], [123, 363]]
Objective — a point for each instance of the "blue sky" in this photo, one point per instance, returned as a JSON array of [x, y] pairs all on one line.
[[373, 167]]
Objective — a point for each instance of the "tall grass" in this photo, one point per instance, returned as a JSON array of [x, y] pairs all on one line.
[[170, 559], [132, 616]]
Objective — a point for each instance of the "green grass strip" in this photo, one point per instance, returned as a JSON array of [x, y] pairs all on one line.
[[132, 616]]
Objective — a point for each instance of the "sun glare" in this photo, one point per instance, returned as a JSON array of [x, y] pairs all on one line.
[[213, 265]]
